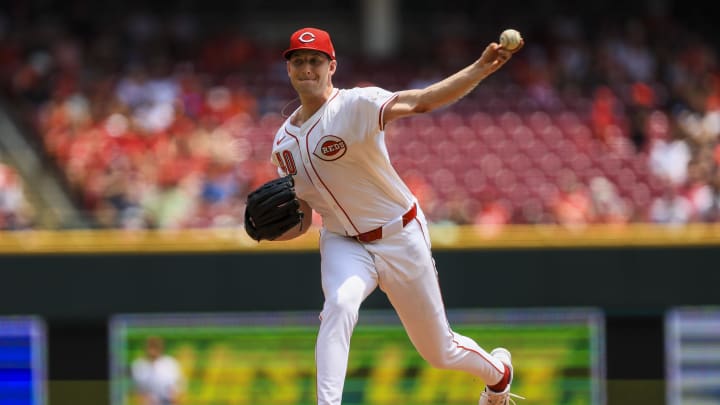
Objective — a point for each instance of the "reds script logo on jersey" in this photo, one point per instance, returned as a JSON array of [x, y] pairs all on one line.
[[330, 148]]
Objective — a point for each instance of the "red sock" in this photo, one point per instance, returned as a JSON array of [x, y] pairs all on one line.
[[504, 381]]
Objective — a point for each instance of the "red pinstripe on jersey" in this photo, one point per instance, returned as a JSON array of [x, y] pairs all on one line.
[[307, 148]]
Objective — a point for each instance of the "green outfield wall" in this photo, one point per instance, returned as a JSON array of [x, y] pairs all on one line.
[[77, 280]]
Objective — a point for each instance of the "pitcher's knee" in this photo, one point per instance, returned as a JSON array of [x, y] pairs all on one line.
[[336, 307]]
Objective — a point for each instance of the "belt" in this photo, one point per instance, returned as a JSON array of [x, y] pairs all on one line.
[[389, 228]]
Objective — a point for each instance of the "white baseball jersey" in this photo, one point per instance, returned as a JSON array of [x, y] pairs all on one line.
[[340, 162]]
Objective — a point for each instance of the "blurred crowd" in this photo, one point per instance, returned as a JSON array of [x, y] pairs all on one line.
[[158, 123]]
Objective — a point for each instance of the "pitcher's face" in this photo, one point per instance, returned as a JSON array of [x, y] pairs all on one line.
[[310, 72]]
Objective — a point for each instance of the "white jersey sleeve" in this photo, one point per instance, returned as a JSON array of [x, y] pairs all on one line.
[[369, 105]]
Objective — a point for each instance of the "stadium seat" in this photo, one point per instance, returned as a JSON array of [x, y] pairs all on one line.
[[449, 120], [523, 137], [519, 163], [509, 120], [550, 135], [490, 163], [550, 164], [480, 120], [492, 134], [474, 180], [462, 135], [538, 121]]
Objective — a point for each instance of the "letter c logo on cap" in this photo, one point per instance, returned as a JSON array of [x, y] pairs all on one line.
[[306, 37]]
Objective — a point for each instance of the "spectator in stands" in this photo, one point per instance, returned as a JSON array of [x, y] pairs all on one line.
[[172, 202], [607, 205], [572, 206], [607, 115], [15, 211], [492, 216], [671, 207], [669, 155], [698, 190], [422, 190], [714, 214]]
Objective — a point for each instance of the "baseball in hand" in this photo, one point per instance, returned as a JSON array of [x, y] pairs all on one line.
[[510, 39]]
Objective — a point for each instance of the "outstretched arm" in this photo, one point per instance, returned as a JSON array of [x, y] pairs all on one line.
[[450, 89]]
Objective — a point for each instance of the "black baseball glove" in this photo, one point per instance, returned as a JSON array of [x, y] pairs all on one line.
[[272, 209]]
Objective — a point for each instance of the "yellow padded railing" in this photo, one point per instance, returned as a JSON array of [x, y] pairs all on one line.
[[443, 237]]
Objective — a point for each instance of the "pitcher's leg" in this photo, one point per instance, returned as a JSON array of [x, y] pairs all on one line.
[[348, 277], [419, 306], [407, 275]]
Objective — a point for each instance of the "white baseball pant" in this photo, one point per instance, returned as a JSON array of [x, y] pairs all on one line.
[[403, 267]]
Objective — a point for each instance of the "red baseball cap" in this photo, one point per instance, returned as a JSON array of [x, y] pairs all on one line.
[[312, 39]]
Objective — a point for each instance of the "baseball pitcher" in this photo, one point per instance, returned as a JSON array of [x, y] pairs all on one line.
[[332, 158]]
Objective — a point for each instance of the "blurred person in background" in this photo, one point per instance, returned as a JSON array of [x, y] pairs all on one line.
[[669, 154], [157, 376], [608, 206], [15, 211], [493, 215], [573, 207], [698, 190], [671, 207], [714, 214]]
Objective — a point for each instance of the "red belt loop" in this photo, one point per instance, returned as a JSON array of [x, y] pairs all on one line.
[[377, 233]]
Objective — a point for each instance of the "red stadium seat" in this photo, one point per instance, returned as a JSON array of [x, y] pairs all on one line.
[[505, 149], [564, 149], [579, 162], [550, 164], [450, 154], [505, 180], [474, 180], [443, 181], [611, 165], [550, 134], [538, 121], [480, 120], [523, 137], [462, 135], [490, 164], [519, 163], [449, 120], [518, 194], [429, 134], [625, 180], [417, 151], [492, 134], [418, 122], [473, 152], [641, 195], [567, 120], [583, 139], [509, 120]]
